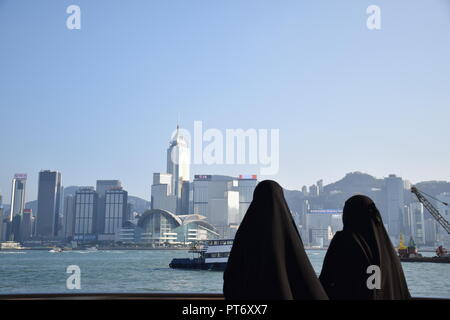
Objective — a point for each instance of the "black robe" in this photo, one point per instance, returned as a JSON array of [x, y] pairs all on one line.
[[267, 260], [362, 242]]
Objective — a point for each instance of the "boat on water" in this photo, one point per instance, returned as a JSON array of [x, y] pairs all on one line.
[[210, 255], [56, 249], [410, 253], [91, 249]]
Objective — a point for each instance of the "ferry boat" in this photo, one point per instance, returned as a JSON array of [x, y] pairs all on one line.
[[211, 255]]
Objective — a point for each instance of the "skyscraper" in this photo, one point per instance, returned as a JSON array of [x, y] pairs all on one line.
[[49, 191], [69, 217], [162, 195], [115, 212], [246, 187], [102, 187], [85, 214], [17, 195], [178, 163], [26, 225], [417, 222], [395, 204], [1, 218]]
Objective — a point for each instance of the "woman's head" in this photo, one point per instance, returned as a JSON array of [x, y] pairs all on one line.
[[359, 213]]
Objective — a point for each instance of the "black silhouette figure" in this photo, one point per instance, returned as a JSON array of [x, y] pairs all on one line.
[[362, 242], [267, 260]]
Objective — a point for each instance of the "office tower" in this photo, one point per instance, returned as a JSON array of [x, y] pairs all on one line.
[[101, 188], [320, 186], [85, 214], [49, 195], [318, 223], [224, 211], [178, 163], [26, 225], [17, 195], [246, 187], [116, 201], [417, 222], [313, 191], [216, 197], [305, 191], [444, 210], [185, 198], [431, 227], [69, 217], [162, 195], [395, 204], [2, 232]]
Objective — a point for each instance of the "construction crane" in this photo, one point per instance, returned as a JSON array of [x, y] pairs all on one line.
[[431, 209]]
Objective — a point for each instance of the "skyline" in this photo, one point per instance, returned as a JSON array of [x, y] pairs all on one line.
[[344, 98], [7, 198]]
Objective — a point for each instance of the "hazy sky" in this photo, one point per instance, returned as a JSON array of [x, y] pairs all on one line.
[[101, 102]]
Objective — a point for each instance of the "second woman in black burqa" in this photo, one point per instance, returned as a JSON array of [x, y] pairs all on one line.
[[267, 260], [363, 242]]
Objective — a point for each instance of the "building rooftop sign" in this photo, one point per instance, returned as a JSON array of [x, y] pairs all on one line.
[[325, 211]]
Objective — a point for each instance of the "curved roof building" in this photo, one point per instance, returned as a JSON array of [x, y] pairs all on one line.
[[161, 226]]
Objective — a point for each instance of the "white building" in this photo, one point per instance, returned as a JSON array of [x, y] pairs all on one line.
[[162, 195], [17, 195], [178, 162], [323, 224]]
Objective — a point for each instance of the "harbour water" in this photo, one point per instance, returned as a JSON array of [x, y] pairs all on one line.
[[144, 271]]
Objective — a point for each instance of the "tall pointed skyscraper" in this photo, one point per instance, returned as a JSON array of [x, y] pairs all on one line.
[[178, 162]]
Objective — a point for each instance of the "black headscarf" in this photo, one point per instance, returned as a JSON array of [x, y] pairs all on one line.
[[267, 260], [362, 242]]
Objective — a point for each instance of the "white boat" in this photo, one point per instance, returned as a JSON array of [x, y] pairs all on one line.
[[213, 255], [56, 249], [91, 249]]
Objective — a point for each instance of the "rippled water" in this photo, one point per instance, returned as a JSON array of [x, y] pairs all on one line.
[[148, 271]]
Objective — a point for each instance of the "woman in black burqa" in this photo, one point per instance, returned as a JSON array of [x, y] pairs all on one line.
[[267, 260], [362, 242]]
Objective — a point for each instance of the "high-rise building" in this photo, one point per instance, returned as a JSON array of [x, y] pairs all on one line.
[[246, 187], [178, 164], [115, 211], [395, 205], [313, 191], [17, 195], [444, 210], [1, 219], [217, 198], [85, 214], [102, 187], [48, 210], [417, 222], [162, 195], [69, 217], [26, 225], [320, 186], [305, 191]]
